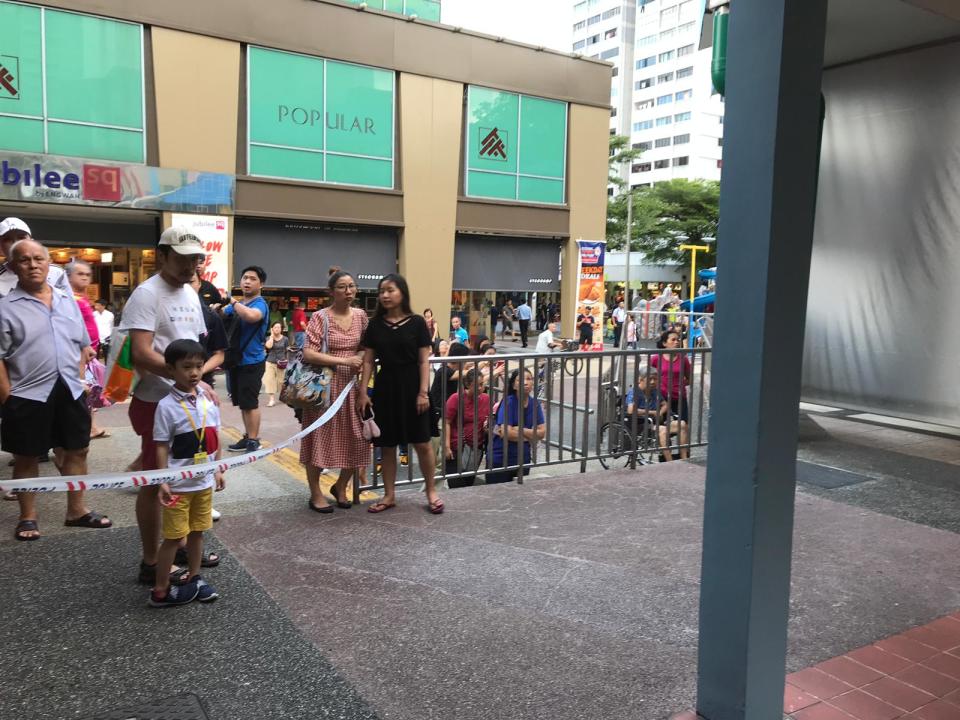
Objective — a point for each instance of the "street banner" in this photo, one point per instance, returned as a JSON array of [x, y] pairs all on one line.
[[215, 236], [590, 292]]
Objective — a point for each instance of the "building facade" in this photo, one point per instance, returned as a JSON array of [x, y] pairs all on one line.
[[661, 90], [313, 134]]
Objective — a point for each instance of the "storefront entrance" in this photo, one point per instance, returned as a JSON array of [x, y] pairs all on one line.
[[489, 270], [118, 244]]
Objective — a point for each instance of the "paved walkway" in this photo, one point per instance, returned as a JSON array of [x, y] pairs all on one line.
[[568, 597]]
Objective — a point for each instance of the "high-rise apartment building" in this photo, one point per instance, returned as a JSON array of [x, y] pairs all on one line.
[[661, 92]]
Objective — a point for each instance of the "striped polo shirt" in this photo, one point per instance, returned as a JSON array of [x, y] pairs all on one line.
[[173, 426]]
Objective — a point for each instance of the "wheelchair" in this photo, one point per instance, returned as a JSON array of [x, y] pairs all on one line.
[[621, 438]]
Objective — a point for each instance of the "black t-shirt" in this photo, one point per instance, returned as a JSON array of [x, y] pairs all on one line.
[[585, 322], [397, 344], [216, 337]]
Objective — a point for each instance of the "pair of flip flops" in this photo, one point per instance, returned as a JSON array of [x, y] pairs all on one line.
[[436, 507]]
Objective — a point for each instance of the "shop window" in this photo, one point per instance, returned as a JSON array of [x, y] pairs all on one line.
[[93, 104], [516, 146], [319, 120]]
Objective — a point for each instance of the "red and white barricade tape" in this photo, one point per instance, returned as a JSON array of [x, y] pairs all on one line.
[[114, 481]]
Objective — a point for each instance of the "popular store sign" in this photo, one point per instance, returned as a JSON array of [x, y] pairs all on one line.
[[28, 177]]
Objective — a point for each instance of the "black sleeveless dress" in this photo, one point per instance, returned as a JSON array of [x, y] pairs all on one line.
[[395, 388]]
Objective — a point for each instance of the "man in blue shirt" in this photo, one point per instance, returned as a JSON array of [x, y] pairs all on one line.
[[457, 332], [524, 315], [252, 314]]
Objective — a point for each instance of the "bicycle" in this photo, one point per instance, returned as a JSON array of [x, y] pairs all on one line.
[[554, 370]]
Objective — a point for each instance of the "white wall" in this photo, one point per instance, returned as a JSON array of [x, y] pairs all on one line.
[[882, 322]]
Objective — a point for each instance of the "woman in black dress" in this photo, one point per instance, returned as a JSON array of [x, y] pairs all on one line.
[[401, 342]]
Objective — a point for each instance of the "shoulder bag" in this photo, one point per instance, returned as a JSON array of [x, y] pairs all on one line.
[[306, 385]]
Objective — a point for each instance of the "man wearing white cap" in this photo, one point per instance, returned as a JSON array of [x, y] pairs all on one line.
[[11, 230], [162, 309]]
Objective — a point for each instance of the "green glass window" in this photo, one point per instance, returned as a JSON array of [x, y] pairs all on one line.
[[70, 84], [319, 120], [423, 9], [516, 146]]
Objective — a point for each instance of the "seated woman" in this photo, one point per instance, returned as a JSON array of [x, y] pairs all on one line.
[[653, 411], [465, 429], [509, 431]]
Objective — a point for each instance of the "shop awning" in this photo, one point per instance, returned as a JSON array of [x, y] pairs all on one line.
[[299, 254], [506, 264]]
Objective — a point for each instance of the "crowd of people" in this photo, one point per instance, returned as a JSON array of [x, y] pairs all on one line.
[[180, 332]]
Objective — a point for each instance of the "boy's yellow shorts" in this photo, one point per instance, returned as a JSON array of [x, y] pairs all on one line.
[[191, 513]]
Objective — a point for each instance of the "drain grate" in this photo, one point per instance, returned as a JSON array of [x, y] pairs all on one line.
[[178, 707], [827, 477]]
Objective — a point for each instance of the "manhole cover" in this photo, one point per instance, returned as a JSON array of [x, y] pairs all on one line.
[[178, 707], [827, 477]]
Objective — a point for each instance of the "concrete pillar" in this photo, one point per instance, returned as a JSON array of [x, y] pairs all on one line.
[[587, 170], [768, 195], [431, 121]]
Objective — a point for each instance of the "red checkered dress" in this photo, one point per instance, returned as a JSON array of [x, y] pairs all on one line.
[[339, 443]]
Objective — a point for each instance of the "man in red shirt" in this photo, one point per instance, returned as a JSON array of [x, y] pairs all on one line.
[[298, 321]]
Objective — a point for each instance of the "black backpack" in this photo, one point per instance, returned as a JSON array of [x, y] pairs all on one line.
[[234, 352]]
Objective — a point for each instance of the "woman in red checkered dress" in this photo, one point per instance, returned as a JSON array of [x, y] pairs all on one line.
[[339, 443]]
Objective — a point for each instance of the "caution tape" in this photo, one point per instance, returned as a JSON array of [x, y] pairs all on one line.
[[115, 481]]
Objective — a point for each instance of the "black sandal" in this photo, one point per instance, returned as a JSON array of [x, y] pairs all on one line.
[[90, 520], [336, 499], [148, 575], [26, 526], [207, 560]]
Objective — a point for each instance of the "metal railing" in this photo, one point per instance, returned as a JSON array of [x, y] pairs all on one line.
[[574, 407], [650, 323]]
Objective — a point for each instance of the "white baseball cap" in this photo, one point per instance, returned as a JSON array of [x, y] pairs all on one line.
[[182, 241], [12, 223]]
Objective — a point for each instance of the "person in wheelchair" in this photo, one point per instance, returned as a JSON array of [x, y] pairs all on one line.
[[654, 419]]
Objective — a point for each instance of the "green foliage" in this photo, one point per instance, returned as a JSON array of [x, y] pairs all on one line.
[[670, 214]]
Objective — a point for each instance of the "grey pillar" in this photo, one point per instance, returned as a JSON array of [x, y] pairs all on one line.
[[774, 63]]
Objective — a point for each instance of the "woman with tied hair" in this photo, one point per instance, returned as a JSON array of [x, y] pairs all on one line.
[[338, 443], [400, 341]]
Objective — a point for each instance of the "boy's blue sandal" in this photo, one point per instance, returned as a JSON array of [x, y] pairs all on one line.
[[205, 591], [176, 595]]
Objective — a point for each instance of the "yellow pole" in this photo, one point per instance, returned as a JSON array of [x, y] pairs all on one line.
[[693, 271]]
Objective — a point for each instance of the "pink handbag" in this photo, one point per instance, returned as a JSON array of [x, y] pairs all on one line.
[[369, 427]]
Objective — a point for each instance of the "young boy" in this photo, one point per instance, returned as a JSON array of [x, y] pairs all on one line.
[[185, 430]]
